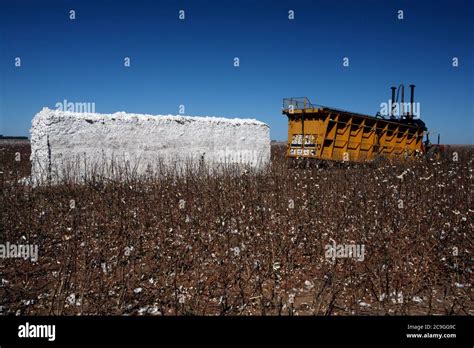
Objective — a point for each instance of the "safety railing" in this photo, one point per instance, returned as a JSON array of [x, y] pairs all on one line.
[[298, 103], [302, 103]]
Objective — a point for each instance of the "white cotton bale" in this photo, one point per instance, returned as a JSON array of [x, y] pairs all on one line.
[[64, 142]]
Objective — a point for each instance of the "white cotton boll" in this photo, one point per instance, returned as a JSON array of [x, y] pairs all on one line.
[[71, 299], [459, 285], [417, 299], [364, 304]]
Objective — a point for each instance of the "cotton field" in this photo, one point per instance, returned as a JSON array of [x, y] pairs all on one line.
[[277, 241]]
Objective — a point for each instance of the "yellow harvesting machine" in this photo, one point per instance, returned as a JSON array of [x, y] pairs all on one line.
[[325, 133]]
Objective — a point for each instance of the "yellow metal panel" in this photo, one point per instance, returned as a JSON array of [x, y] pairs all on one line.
[[328, 135]]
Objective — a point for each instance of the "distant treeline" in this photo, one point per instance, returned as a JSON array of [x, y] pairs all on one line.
[[13, 137]]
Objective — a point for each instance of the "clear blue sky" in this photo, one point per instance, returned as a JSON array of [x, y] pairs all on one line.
[[190, 62]]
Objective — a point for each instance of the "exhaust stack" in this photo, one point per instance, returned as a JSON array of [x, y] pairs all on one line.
[[402, 104], [393, 102], [412, 100]]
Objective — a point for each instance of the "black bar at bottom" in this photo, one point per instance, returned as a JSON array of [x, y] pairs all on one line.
[[416, 330]]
